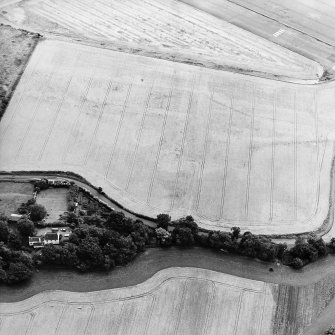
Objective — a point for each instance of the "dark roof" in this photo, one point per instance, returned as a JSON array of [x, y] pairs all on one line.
[[34, 239], [51, 236]]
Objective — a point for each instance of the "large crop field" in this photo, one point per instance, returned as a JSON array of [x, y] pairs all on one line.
[[167, 137], [174, 301], [165, 29], [12, 195]]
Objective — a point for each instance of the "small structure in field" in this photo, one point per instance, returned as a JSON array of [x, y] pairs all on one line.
[[14, 218], [58, 182], [36, 242], [51, 238]]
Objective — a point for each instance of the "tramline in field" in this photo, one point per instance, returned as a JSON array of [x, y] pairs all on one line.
[[174, 301], [167, 137], [166, 29]]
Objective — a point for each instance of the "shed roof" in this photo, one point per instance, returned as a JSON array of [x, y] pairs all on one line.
[[51, 236]]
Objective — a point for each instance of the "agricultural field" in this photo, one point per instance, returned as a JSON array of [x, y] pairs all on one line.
[[15, 49], [54, 201], [167, 137], [165, 29], [302, 26], [12, 195], [174, 301], [315, 18]]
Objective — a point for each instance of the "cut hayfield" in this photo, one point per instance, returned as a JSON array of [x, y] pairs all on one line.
[[165, 29], [174, 301], [167, 137], [55, 202], [13, 194]]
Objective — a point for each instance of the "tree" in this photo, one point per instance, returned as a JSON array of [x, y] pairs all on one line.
[[18, 272], [3, 275], [297, 263], [282, 247], [330, 331], [72, 218], [183, 236], [222, 240], [25, 227], [4, 231], [163, 237], [89, 253], [331, 246], [42, 184], [235, 232], [37, 212], [14, 241], [319, 245], [163, 221]]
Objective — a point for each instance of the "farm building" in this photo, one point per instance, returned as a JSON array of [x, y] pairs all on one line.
[[51, 238], [36, 242], [14, 218]]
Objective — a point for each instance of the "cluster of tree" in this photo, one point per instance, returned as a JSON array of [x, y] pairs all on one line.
[[307, 250], [330, 331], [16, 265], [101, 244], [35, 211], [41, 185], [72, 197], [185, 232]]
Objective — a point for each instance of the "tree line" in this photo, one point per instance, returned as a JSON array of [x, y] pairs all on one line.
[[101, 241]]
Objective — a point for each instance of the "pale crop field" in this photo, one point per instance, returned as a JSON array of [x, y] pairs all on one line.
[[174, 301], [165, 29], [167, 137]]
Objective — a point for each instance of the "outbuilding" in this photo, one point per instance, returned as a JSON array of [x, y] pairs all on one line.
[[51, 238], [14, 218]]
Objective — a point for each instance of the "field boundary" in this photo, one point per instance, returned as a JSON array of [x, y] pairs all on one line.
[[6, 100], [324, 228]]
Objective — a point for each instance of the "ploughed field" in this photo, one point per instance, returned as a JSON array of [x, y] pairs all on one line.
[[166, 137], [166, 29], [174, 301]]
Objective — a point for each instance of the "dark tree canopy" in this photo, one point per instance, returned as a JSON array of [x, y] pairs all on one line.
[[18, 272], [25, 227], [163, 221], [37, 212], [4, 231]]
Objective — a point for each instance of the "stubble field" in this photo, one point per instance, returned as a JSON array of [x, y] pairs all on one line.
[[166, 137], [165, 29], [12, 195], [174, 301]]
